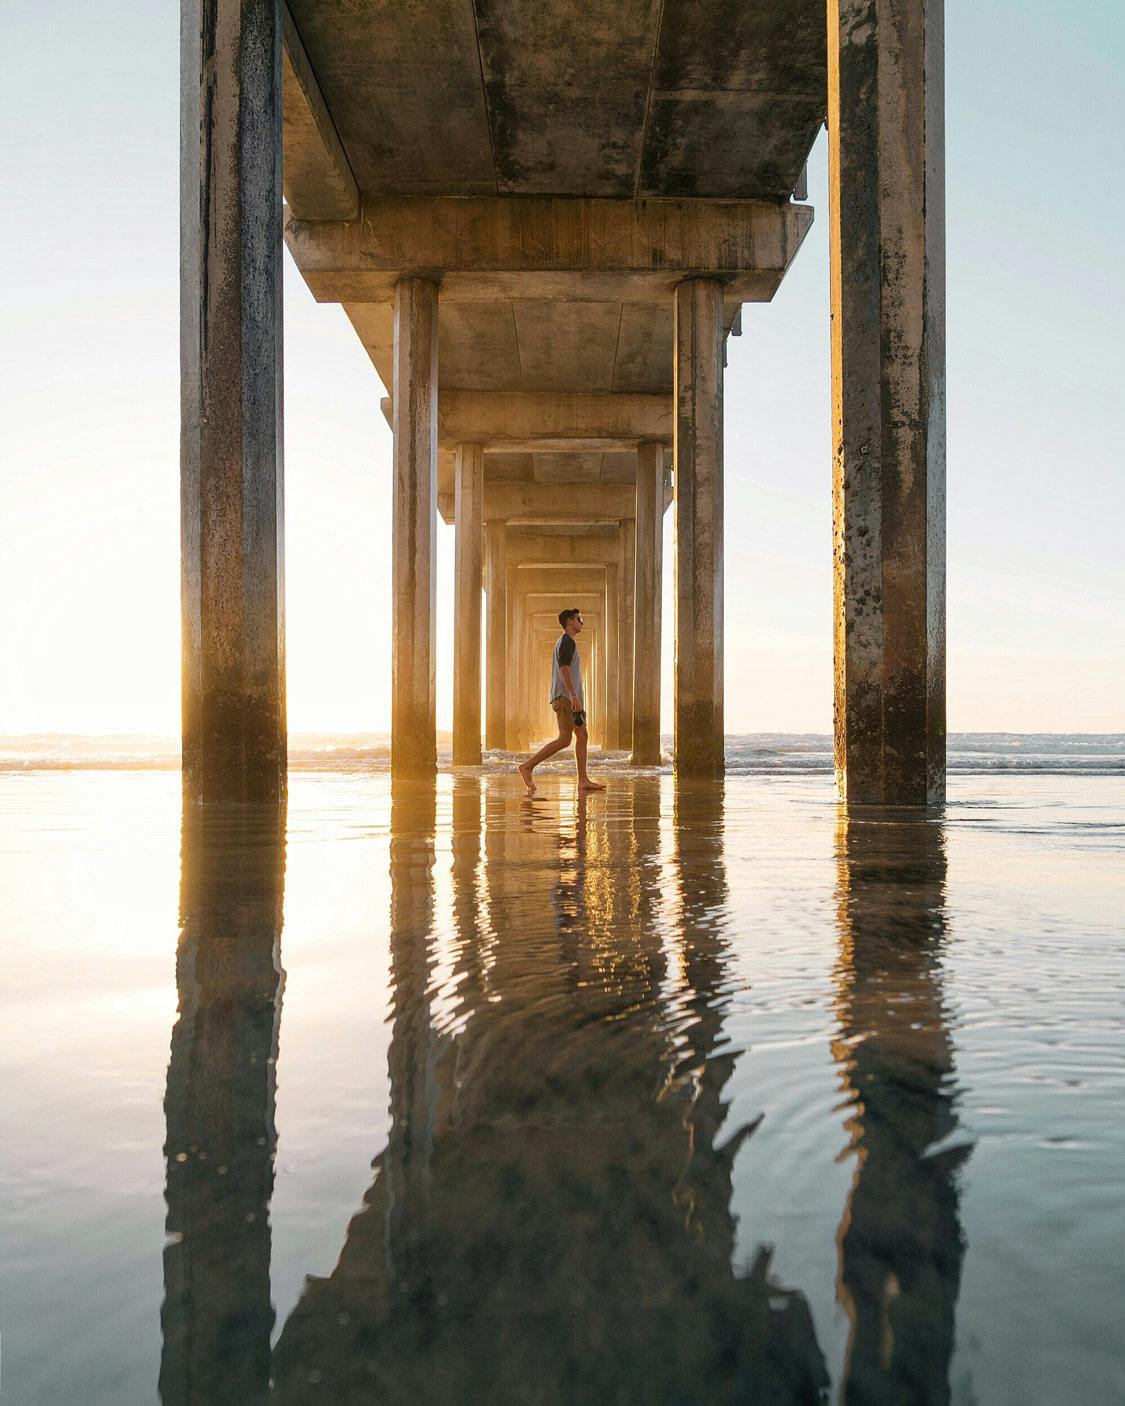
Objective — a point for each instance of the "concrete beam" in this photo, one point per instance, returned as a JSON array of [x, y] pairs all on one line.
[[560, 553], [887, 180], [231, 462], [527, 503], [318, 180], [492, 248], [546, 585], [514, 422]]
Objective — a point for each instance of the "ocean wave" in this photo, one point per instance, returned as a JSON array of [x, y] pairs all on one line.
[[754, 754]]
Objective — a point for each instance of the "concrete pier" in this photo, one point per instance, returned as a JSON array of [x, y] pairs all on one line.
[[626, 626], [887, 213], [699, 528], [231, 474], [613, 654], [592, 259], [496, 636], [468, 581], [649, 586], [413, 530]]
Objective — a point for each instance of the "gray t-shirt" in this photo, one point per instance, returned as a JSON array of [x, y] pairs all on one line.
[[566, 652]]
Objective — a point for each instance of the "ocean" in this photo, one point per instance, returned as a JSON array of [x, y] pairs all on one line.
[[752, 754], [713, 1093]]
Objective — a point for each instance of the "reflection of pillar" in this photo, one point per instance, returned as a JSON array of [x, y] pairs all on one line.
[[232, 547], [625, 629], [900, 1239], [469, 501], [649, 577], [496, 645], [414, 528], [413, 811], [217, 1316], [705, 957], [699, 527], [886, 125], [342, 1328]]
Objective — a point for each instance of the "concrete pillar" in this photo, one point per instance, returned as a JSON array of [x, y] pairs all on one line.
[[496, 627], [414, 527], [649, 585], [231, 480], [611, 721], [469, 550], [600, 733], [887, 237], [699, 527], [626, 625]]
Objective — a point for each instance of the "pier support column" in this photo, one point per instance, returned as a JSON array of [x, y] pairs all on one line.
[[611, 720], [699, 527], [887, 235], [469, 549], [496, 644], [625, 629], [414, 527], [649, 585], [231, 481]]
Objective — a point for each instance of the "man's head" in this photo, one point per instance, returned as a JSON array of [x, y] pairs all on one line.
[[571, 621]]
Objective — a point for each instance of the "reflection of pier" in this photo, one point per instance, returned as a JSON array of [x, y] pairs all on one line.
[[550, 1219], [900, 1241], [217, 1315], [544, 222]]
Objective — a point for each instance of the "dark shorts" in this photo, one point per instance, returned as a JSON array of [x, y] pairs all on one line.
[[564, 711]]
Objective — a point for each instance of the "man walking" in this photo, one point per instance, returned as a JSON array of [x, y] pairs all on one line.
[[567, 699]]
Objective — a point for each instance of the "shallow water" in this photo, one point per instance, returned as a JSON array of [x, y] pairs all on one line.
[[716, 1095]]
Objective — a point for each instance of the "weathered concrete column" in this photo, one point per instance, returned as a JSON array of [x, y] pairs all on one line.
[[414, 527], [649, 585], [468, 550], [496, 645], [231, 479], [887, 234], [611, 721], [699, 527], [626, 625]]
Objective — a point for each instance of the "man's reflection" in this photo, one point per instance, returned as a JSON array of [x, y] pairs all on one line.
[[219, 1107], [900, 1241], [556, 1226]]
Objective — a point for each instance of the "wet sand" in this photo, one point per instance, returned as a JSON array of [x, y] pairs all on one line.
[[718, 1094]]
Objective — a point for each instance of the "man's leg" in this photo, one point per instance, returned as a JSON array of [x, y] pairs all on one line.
[[547, 750], [581, 742]]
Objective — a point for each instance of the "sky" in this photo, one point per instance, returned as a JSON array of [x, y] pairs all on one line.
[[89, 406]]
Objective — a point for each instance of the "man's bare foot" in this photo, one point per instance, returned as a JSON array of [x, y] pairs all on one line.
[[588, 785], [525, 775]]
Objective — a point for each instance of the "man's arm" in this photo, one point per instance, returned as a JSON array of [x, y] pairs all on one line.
[[572, 692]]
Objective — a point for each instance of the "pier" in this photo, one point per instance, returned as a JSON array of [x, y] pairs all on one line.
[[544, 224]]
